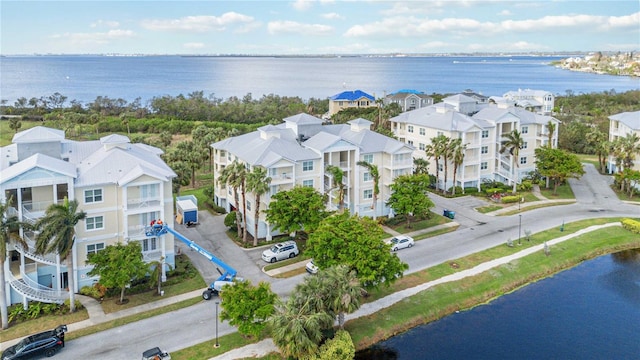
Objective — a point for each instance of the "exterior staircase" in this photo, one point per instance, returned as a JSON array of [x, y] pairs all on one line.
[[34, 291]]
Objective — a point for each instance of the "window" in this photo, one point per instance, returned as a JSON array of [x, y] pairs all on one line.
[[367, 176], [523, 160], [485, 134], [92, 196], [410, 142], [421, 146], [149, 244], [524, 144], [94, 223], [368, 158], [440, 167], [422, 131], [223, 153], [307, 166], [248, 205], [439, 133], [367, 194], [307, 183], [525, 129], [484, 150], [94, 248], [410, 128], [484, 165]]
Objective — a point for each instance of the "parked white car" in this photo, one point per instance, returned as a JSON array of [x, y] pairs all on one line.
[[401, 242], [281, 251], [311, 267]]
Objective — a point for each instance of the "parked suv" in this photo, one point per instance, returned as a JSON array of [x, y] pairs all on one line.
[[44, 343], [281, 251]]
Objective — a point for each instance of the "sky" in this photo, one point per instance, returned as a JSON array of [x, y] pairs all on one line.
[[312, 27]]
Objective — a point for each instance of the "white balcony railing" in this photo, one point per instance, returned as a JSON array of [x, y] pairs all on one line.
[[139, 203]]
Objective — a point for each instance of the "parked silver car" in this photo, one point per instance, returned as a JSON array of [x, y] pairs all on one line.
[[281, 251], [401, 242]]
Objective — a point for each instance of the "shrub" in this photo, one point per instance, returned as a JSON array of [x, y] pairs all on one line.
[[510, 199], [471, 190], [526, 185], [631, 225], [230, 220], [491, 191], [458, 190]]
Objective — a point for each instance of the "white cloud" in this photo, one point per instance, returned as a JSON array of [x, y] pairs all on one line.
[[302, 5], [105, 23], [505, 13], [292, 27], [332, 16], [630, 21], [95, 38], [199, 23]]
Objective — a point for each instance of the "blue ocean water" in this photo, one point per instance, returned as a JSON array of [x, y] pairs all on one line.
[[84, 78], [589, 312]]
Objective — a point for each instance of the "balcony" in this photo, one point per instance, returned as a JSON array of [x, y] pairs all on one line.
[[281, 178], [141, 203]]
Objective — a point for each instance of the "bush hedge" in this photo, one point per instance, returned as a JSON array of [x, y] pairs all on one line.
[[631, 225]]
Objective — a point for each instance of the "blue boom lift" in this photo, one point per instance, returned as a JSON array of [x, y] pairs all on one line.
[[157, 228]]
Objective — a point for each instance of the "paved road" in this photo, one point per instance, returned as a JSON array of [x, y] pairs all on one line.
[[196, 324]]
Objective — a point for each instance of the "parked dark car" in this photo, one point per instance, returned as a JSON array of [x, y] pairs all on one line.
[[45, 343]]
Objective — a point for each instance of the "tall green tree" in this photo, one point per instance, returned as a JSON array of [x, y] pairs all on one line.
[[234, 175], [434, 151], [513, 143], [447, 154], [257, 183], [297, 329], [551, 129], [337, 176], [248, 307], [58, 234], [558, 165], [375, 176], [299, 209], [9, 231], [15, 124], [118, 265], [188, 153], [457, 157], [340, 240], [409, 196], [598, 141]]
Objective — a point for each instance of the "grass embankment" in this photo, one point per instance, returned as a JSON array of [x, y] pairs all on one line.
[[442, 300]]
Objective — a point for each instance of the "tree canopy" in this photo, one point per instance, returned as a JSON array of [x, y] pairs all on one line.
[[118, 264], [409, 196], [344, 239], [299, 209], [248, 307], [558, 165]]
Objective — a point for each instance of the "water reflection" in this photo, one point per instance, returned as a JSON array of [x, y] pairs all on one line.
[[588, 312]]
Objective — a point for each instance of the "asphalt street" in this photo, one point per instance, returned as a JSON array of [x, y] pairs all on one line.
[[197, 324]]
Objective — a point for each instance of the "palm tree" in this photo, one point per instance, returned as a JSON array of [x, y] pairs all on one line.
[[551, 128], [234, 176], [297, 330], [420, 166], [375, 174], [458, 158], [337, 175], [630, 147], [58, 235], [447, 153], [513, 143], [598, 140], [9, 226], [435, 150], [155, 279], [258, 183], [343, 291]]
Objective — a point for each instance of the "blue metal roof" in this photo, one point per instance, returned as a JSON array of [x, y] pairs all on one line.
[[352, 95]]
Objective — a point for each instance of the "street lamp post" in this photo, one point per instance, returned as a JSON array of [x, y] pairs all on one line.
[[519, 228], [217, 345]]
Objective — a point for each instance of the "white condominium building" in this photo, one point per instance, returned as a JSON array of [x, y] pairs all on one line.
[[297, 153], [481, 133], [121, 187]]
